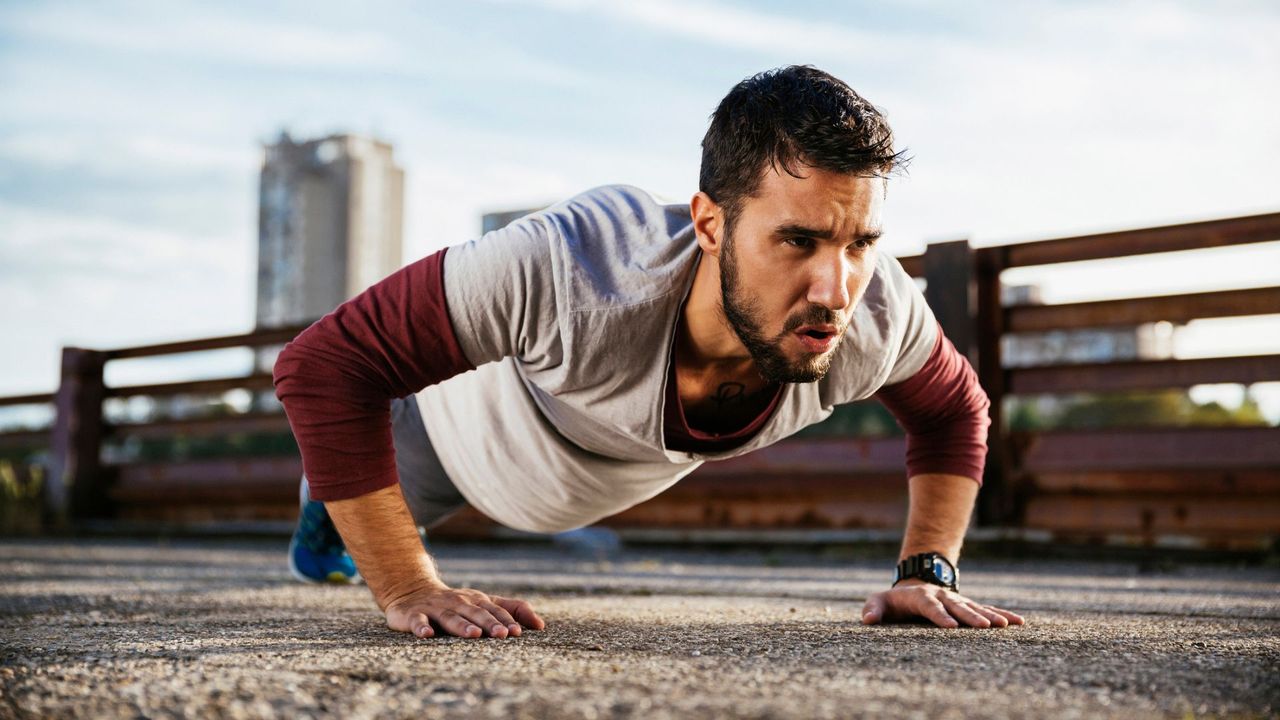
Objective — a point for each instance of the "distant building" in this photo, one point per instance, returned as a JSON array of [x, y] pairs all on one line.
[[330, 224]]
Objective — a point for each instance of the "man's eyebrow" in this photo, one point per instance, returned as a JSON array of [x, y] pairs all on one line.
[[796, 230]]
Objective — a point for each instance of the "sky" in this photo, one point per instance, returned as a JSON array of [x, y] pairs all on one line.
[[131, 137]]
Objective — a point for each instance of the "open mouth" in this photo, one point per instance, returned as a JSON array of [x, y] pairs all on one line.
[[818, 339], [817, 332]]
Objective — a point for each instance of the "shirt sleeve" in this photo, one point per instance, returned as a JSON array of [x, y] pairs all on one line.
[[502, 293], [920, 328], [337, 379], [944, 411]]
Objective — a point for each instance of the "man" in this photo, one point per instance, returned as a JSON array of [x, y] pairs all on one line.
[[598, 351]]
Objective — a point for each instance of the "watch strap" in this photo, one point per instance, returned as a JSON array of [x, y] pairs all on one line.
[[920, 566]]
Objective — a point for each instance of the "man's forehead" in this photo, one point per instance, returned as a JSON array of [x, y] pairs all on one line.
[[826, 203]]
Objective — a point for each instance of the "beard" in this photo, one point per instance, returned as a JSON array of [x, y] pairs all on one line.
[[743, 314]]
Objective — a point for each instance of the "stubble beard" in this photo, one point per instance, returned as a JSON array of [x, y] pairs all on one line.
[[743, 315]]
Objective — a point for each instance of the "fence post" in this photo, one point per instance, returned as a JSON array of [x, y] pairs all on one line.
[[997, 503], [951, 273], [74, 488], [948, 270]]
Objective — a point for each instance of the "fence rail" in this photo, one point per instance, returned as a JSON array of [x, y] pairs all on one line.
[[1219, 486]]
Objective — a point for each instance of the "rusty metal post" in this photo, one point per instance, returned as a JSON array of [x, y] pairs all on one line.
[[75, 485], [949, 272], [998, 502]]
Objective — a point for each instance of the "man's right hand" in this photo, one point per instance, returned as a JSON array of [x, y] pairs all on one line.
[[463, 612], [380, 535]]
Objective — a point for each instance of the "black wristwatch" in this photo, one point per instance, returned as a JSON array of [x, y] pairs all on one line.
[[930, 567]]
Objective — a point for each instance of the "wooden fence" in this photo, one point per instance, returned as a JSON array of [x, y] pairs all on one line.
[[1217, 486], [79, 486], [1205, 486]]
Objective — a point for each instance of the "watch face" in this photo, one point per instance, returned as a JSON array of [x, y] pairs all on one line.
[[942, 571]]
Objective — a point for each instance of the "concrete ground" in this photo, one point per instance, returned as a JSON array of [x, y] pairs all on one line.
[[110, 628]]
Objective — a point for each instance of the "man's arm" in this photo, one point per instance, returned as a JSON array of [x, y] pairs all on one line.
[[937, 517], [945, 413], [336, 381], [383, 540]]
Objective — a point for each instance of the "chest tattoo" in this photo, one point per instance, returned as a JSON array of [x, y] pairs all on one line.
[[729, 394]]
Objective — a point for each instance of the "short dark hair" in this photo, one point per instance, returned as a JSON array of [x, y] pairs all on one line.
[[791, 116]]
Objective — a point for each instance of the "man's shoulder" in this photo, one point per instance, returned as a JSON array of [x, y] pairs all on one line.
[[619, 210], [620, 245], [620, 195], [892, 282]]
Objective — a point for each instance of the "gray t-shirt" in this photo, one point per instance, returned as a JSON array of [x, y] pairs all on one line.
[[569, 315]]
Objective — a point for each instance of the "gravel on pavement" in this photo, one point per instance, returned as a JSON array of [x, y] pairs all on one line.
[[216, 628]]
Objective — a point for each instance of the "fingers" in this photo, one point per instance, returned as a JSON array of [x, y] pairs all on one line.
[[482, 620], [521, 610], [420, 625], [961, 610], [993, 617], [504, 617], [998, 617], [463, 613], [873, 611], [940, 606], [456, 623], [411, 621], [1013, 617], [933, 610]]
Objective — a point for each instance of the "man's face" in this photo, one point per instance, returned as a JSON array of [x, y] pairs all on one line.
[[794, 263]]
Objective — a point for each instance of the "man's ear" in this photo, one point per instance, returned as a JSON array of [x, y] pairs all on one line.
[[708, 222]]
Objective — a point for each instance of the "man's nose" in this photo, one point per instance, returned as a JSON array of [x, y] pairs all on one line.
[[829, 282]]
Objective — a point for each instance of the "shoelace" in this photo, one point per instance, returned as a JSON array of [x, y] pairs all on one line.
[[317, 531]]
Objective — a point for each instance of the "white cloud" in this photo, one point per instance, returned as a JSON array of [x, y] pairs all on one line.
[[208, 34], [84, 249], [735, 27], [98, 282], [168, 30], [743, 29], [446, 205], [132, 153]]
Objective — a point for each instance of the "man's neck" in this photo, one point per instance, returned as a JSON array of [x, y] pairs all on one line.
[[708, 351], [706, 347]]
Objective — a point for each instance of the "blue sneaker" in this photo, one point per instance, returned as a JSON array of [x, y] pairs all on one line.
[[316, 552]]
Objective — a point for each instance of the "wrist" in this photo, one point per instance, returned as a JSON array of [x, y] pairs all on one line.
[[928, 567], [407, 588], [900, 582]]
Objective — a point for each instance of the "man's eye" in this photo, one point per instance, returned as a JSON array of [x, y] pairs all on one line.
[[800, 242]]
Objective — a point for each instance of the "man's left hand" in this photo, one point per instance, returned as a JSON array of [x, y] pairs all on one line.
[[912, 599]]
